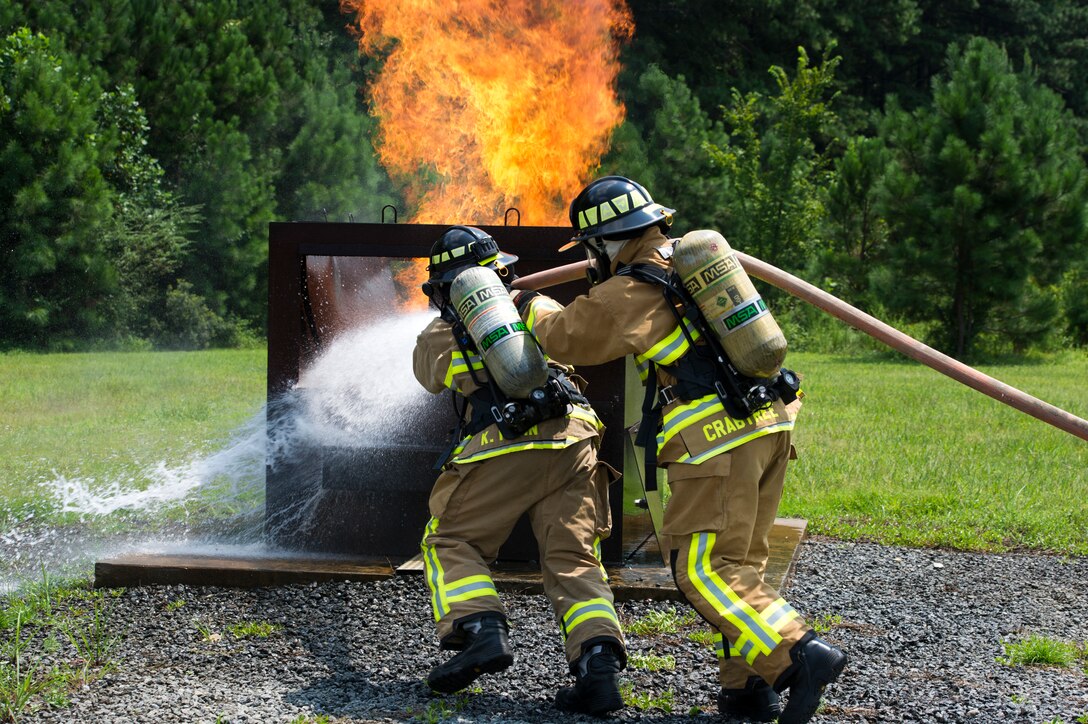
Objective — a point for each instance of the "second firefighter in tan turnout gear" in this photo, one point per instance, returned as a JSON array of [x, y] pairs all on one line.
[[549, 470], [726, 473]]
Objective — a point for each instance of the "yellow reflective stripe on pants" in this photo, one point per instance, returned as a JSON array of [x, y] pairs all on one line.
[[597, 555], [433, 572], [762, 637], [470, 587], [442, 593], [778, 614], [586, 610], [719, 645], [742, 648]]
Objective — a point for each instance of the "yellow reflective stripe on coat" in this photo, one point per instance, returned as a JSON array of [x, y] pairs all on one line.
[[734, 609], [670, 349], [433, 572], [578, 412], [683, 415], [539, 304], [458, 366], [586, 414], [702, 457], [515, 447], [586, 610]]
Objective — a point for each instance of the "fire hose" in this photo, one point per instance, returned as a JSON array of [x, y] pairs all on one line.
[[870, 325]]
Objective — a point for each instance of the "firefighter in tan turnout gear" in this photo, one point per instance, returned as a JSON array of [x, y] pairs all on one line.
[[511, 456], [723, 442]]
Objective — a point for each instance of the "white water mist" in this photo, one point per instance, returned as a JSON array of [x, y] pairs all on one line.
[[358, 392]]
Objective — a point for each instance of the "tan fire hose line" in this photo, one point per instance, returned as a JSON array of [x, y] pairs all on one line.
[[870, 325]]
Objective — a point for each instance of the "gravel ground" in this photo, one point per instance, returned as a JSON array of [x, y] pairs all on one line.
[[923, 630]]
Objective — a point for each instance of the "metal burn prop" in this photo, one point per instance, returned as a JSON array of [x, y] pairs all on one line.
[[371, 501]]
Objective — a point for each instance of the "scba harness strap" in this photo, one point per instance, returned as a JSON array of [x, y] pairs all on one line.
[[513, 417], [704, 370]]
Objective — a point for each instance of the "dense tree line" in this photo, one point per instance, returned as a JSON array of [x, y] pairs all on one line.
[[922, 159], [144, 147]]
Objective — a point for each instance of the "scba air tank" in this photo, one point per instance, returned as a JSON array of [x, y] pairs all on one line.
[[510, 353], [714, 277]]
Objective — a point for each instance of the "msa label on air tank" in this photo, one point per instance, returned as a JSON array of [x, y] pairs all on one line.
[[500, 333], [716, 270], [476, 298], [745, 314]]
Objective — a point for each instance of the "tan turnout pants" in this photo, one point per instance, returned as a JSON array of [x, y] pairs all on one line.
[[718, 519], [474, 508]]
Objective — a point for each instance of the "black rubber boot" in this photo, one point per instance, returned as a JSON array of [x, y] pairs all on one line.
[[596, 687], [757, 701], [816, 664], [486, 650]]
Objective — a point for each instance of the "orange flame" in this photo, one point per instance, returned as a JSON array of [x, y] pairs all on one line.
[[409, 277], [485, 105]]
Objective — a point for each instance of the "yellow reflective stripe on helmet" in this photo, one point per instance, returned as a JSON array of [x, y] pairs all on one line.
[[459, 251], [470, 587], [585, 610], [727, 446], [587, 217], [725, 600], [612, 208], [433, 572]]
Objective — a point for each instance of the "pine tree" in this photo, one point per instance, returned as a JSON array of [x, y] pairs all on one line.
[[54, 200], [986, 188]]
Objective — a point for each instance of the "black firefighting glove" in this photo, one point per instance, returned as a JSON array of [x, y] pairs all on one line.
[[522, 299]]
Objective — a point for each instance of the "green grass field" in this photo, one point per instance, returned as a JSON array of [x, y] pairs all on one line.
[[896, 452], [890, 450], [109, 416]]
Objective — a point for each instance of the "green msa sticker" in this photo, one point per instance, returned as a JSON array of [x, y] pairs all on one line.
[[501, 332], [754, 309]]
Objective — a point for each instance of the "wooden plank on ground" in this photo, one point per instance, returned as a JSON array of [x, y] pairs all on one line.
[[240, 570], [243, 569]]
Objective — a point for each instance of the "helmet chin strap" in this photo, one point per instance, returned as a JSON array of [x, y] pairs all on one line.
[[602, 253], [600, 267]]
